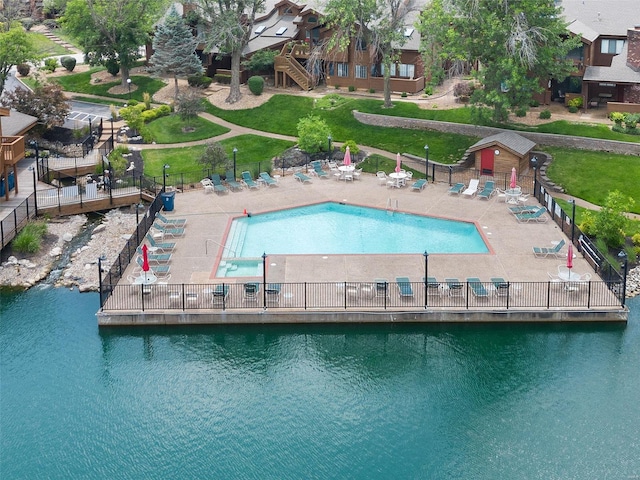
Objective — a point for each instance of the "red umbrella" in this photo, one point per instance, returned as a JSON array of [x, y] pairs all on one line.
[[398, 163], [347, 157], [514, 178], [145, 259], [570, 257]]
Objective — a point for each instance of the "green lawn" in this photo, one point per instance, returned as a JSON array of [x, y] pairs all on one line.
[[169, 129], [592, 175], [81, 83], [444, 148], [252, 149], [45, 47]]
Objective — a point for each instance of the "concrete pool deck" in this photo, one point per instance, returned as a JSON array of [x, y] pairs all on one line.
[[197, 253]]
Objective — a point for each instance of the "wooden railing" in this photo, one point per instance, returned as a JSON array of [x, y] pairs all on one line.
[[12, 149]]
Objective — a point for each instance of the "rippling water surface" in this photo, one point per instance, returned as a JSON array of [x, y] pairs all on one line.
[[432, 402]]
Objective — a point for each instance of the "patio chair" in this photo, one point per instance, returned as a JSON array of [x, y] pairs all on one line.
[[217, 184], [404, 287], [456, 189], [317, 169], [248, 181], [172, 232], [418, 185], [207, 185], [155, 258], [273, 293], [382, 178], [502, 287], [230, 178], [477, 287], [433, 287], [454, 287], [160, 246], [382, 287], [538, 216], [487, 191], [301, 177], [472, 189], [157, 269], [356, 173], [268, 179], [171, 222], [219, 295], [250, 292], [543, 252]]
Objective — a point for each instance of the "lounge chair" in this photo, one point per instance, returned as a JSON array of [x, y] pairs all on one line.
[[404, 287], [301, 177], [538, 216], [502, 287], [273, 293], [268, 179], [172, 232], [542, 252], [156, 258], [472, 189], [219, 295], [217, 184], [160, 246], [525, 209], [382, 287], [230, 178], [317, 169], [454, 287], [477, 287], [456, 189], [207, 184], [433, 287], [250, 292], [487, 191], [419, 184], [247, 179], [157, 269], [171, 222]]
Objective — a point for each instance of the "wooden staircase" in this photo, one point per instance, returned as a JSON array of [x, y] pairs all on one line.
[[288, 65]]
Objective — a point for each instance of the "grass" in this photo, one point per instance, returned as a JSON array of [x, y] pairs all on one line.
[[252, 149], [45, 47], [30, 237], [375, 163], [592, 175], [100, 101], [443, 147], [169, 129], [81, 83]]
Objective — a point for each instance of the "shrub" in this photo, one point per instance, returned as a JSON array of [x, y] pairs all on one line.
[[631, 121], [30, 238], [312, 134], [576, 102], [534, 103], [146, 99], [222, 78], [619, 128], [256, 85], [573, 109], [69, 63], [337, 87], [50, 64], [352, 88], [112, 66], [23, 69], [428, 90], [545, 114], [403, 94], [372, 90], [617, 117], [202, 81], [50, 23], [27, 23], [353, 147], [521, 112], [636, 239], [463, 89]]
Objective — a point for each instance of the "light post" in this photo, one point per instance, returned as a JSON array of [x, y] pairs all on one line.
[[138, 207], [426, 162], [235, 152], [573, 218], [129, 86], [164, 177], [35, 194], [264, 280], [426, 277], [329, 148], [33, 144], [534, 164], [101, 258], [625, 266]]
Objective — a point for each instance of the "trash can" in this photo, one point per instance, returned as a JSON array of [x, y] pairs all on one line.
[[167, 200]]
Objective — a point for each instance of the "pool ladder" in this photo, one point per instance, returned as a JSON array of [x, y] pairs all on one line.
[[392, 204]]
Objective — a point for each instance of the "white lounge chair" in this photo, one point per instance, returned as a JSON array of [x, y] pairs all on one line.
[[472, 189]]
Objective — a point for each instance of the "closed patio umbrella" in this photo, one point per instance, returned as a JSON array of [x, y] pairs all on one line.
[[514, 178], [570, 256], [347, 157], [398, 163], [145, 260]]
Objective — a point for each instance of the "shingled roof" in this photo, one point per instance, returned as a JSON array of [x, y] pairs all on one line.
[[507, 140]]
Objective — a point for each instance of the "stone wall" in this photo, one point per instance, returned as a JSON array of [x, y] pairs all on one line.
[[596, 144]]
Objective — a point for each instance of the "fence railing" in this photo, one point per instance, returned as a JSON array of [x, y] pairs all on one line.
[[19, 217], [377, 295]]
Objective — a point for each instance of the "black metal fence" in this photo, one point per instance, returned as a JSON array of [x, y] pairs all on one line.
[[377, 295], [11, 225]]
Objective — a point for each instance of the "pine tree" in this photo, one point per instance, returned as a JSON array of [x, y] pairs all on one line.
[[174, 50]]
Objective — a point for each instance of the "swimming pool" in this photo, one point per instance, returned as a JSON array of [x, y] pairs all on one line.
[[336, 228]]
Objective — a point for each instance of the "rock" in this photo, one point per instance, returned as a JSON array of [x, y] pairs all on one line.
[[12, 260], [55, 252], [67, 237], [87, 266], [99, 228]]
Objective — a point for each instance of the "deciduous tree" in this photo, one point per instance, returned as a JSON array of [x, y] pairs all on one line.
[[111, 30], [214, 157], [15, 48], [174, 50], [46, 102], [379, 24], [227, 27], [515, 42]]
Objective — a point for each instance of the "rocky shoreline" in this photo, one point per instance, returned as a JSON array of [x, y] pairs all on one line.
[[107, 240]]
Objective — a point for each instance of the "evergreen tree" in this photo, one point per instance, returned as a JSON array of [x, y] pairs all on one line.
[[174, 50]]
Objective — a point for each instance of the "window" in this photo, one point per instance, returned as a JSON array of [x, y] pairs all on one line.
[[361, 71], [312, 19], [331, 69], [393, 69], [611, 46], [343, 69], [259, 30], [408, 32], [406, 70], [361, 44], [281, 30]]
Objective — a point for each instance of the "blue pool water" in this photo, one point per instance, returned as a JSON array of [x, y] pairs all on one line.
[[334, 228], [442, 402]]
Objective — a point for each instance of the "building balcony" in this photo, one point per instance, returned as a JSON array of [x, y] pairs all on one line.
[[12, 150]]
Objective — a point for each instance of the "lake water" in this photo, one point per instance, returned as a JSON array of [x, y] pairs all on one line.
[[277, 402]]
